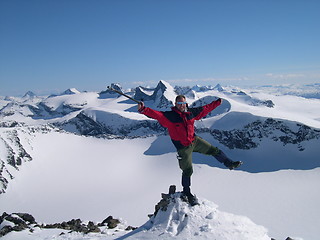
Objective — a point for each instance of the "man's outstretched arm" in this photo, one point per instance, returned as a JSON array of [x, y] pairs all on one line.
[[149, 112], [208, 108]]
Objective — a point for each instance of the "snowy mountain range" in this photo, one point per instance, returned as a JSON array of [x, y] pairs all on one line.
[[97, 140]]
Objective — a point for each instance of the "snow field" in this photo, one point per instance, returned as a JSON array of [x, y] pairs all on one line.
[[92, 178]]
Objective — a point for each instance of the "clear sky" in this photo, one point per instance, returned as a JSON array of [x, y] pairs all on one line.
[[51, 45]]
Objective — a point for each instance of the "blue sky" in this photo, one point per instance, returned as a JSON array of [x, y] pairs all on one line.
[[51, 45]]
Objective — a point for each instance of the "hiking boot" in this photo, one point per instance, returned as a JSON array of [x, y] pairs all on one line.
[[186, 193], [232, 165], [190, 198], [221, 157], [193, 200]]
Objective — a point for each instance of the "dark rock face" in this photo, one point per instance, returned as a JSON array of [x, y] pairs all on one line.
[[15, 153], [42, 111], [86, 126], [276, 130]]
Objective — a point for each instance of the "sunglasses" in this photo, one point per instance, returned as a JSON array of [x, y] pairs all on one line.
[[180, 103]]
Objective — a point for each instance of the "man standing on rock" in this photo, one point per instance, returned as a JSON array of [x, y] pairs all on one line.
[[180, 124]]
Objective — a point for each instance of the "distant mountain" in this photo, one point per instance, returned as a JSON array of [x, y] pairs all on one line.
[[199, 88], [161, 96], [70, 91], [29, 94], [109, 93]]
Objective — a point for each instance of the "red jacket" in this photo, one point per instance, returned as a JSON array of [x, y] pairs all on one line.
[[180, 124]]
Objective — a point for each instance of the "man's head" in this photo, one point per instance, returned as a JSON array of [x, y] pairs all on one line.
[[181, 103]]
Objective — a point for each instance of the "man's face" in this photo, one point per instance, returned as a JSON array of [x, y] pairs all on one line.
[[181, 104]]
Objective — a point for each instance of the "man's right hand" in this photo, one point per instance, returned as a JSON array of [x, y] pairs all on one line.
[[140, 106]]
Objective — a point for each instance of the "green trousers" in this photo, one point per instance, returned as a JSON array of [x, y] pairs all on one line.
[[185, 154]]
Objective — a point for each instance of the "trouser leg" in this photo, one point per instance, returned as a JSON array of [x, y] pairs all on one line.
[[221, 157], [185, 160], [202, 146], [185, 164], [186, 183]]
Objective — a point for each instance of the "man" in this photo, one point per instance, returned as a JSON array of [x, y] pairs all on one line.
[[180, 124]]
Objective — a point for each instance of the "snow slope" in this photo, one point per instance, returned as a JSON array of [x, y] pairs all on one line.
[[90, 178]]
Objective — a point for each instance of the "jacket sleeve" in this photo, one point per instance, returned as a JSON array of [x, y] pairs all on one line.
[[157, 115], [207, 109]]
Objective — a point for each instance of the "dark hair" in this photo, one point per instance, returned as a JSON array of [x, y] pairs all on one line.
[[180, 96]]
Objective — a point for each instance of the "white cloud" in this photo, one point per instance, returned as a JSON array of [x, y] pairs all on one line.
[[285, 76], [211, 81]]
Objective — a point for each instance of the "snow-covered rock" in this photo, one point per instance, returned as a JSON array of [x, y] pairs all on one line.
[[176, 219]]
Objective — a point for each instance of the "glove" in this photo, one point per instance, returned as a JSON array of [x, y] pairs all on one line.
[[141, 106], [219, 100]]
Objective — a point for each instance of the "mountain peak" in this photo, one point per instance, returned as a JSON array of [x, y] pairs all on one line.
[[29, 94], [162, 96], [110, 93], [199, 88], [164, 83], [218, 88], [176, 218], [70, 91]]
